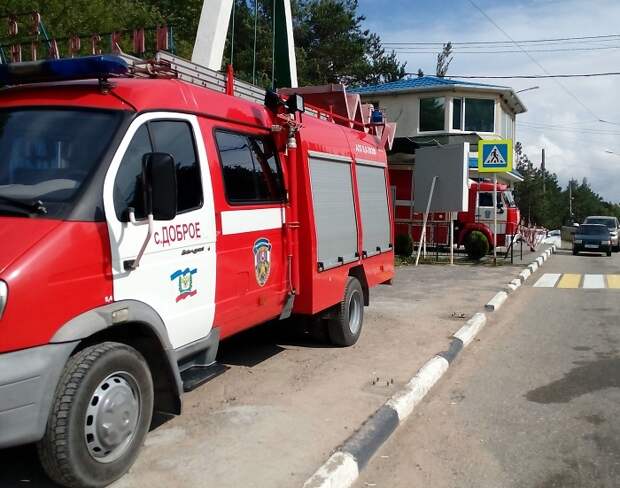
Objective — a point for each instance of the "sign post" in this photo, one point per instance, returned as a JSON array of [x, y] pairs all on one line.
[[495, 156]]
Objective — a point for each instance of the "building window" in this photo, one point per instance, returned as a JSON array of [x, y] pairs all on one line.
[[251, 171], [457, 113], [479, 115], [508, 124], [432, 114]]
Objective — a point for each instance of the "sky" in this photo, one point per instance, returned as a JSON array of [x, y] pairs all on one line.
[[563, 116]]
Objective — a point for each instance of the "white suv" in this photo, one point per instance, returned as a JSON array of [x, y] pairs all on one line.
[[611, 223]]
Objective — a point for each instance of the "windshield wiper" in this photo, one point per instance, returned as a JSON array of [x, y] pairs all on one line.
[[29, 205]]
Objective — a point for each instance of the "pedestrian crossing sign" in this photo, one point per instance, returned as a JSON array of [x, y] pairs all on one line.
[[495, 156]]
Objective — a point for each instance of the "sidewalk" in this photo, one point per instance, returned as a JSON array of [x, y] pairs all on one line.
[[287, 402]]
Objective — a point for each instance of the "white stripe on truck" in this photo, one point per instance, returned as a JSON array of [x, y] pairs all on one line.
[[240, 221]]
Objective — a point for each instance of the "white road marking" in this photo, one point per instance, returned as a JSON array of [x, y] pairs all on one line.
[[548, 280], [593, 281]]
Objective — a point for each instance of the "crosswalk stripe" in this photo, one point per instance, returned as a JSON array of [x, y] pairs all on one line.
[[593, 281], [613, 281], [548, 280], [570, 280]]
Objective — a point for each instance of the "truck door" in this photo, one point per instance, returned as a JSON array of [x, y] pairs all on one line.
[[177, 273], [250, 210], [484, 212]]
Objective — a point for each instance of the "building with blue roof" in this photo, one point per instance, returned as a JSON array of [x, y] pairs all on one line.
[[432, 110], [438, 111]]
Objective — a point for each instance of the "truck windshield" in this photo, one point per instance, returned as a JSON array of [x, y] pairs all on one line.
[[46, 154]]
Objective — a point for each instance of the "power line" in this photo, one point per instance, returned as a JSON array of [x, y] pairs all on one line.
[[542, 127], [529, 77], [557, 39], [456, 51], [569, 92]]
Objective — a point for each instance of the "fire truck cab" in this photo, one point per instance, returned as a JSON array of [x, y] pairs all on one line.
[[479, 215], [145, 219]]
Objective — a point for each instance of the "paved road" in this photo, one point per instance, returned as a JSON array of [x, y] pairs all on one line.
[[535, 402], [287, 401]]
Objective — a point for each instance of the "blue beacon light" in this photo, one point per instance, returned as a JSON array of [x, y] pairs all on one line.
[[89, 67]]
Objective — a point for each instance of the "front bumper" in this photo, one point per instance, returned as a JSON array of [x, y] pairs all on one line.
[[28, 380], [596, 247]]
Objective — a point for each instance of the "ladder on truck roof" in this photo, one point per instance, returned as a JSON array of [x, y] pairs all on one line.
[[350, 112]]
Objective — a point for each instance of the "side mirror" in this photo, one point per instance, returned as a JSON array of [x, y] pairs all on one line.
[[159, 182]]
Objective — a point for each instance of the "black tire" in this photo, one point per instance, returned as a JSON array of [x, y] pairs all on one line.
[[65, 453], [345, 328], [316, 326]]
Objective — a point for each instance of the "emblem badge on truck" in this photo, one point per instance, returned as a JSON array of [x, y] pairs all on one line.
[[262, 260], [186, 282]]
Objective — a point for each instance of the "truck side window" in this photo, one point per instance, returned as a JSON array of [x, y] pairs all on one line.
[[485, 199], [251, 171], [127, 185], [172, 137], [175, 138]]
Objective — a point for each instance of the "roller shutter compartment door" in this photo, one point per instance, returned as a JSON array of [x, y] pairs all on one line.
[[334, 211], [374, 208]]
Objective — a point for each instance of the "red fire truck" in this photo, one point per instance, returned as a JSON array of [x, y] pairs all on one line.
[[479, 215], [143, 219]]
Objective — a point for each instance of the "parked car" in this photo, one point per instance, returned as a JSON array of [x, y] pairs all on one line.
[[592, 238], [612, 224]]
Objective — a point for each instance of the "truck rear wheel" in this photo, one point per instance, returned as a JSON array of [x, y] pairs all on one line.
[[345, 328], [100, 416]]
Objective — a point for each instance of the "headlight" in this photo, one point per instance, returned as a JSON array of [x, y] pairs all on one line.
[[4, 292], [605, 242], [578, 241]]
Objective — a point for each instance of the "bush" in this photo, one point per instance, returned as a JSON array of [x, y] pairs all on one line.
[[404, 245], [476, 245]]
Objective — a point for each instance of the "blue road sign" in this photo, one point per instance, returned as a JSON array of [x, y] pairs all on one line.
[[495, 156]]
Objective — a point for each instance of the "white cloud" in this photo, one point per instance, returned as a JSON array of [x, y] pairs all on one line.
[[570, 153]]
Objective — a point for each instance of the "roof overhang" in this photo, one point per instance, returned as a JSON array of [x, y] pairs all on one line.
[[510, 177], [507, 94]]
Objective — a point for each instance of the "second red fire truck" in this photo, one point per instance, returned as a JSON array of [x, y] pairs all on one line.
[[478, 217]]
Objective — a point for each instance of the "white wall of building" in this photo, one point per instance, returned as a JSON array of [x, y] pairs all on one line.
[[404, 109]]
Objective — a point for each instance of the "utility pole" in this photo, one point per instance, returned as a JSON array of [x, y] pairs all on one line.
[[543, 168], [570, 200]]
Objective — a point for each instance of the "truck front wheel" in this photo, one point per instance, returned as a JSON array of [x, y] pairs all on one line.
[[100, 416], [345, 328]]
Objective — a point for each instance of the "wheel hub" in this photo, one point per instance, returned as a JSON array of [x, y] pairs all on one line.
[[355, 313], [112, 417]]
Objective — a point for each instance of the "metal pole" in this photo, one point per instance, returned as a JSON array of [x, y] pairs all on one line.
[[255, 35], [428, 208], [570, 201], [543, 168], [451, 239], [494, 219]]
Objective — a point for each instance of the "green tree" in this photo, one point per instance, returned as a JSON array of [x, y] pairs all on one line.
[[551, 208], [331, 44], [63, 18]]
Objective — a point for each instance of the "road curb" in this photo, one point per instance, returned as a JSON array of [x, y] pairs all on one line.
[[496, 302], [342, 468]]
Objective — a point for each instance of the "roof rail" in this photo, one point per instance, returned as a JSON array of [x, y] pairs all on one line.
[[355, 116]]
